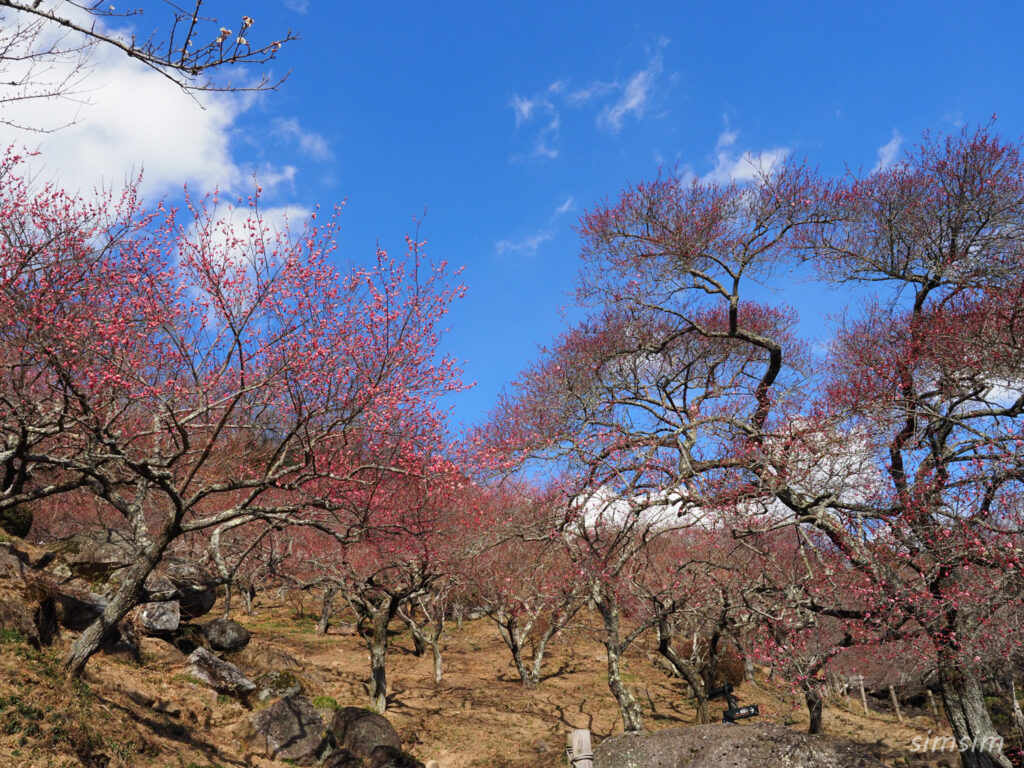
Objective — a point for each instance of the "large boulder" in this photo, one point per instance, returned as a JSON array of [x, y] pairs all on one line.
[[97, 554], [226, 635], [220, 675], [191, 579], [290, 729], [277, 684], [259, 657], [361, 731], [753, 745], [77, 606], [159, 618]]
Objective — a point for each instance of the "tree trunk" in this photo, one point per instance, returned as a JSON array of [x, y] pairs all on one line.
[[126, 598], [436, 650], [748, 671], [227, 601], [980, 746], [686, 670], [326, 609], [378, 666], [538, 652], [247, 595], [512, 635], [814, 710], [631, 719]]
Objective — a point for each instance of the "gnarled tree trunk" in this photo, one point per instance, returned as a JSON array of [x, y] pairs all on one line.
[[979, 744], [125, 598]]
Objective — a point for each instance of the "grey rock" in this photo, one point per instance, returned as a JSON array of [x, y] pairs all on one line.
[[159, 618], [226, 635], [97, 554], [222, 676], [277, 684], [77, 607], [361, 731], [191, 578], [752, 745], [290, 729]]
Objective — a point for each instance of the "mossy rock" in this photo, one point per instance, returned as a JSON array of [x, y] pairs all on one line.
[[277, 684]]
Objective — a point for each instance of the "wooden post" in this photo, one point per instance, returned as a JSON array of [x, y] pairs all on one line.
[[863, 696], [932, 706], [579, 751], [895, 703], [1018, 715]]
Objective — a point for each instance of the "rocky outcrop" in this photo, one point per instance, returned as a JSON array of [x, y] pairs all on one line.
[[220, 675], [752, 745], [97, 555], [226, 635], [100, 556], [361, 731], [290, 729]]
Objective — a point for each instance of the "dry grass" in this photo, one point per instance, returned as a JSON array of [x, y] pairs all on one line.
[[151, 714]]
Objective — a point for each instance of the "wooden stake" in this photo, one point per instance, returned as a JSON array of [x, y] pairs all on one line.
[[863, 696], [580, 753], [933, 706], [895, 703]]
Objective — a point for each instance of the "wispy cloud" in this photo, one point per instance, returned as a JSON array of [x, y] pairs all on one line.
[[565, 207], [299, 6], [740, 166], [543, 108], [633, 100], [309, 143], [595, 90], [615, 102], [888, 152], [526, 247], [523, 109], [635, 96]]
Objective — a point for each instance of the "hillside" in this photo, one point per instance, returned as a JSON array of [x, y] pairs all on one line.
[[150, 712]]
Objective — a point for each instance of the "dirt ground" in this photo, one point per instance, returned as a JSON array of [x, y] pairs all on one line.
[[151, 713]]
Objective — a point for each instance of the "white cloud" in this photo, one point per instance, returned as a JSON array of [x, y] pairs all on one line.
[[595, 90], [523, 109], [309, 143], [541, 149], [566, 206], [635, 95], [299, 6], [887, 153], [131, 119], [526, 247], [632, 101], [742, 166]]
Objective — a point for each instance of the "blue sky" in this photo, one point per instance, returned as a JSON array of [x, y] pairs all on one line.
[[506, 121]]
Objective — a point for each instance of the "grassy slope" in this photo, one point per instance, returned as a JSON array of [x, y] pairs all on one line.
[[152, 714]]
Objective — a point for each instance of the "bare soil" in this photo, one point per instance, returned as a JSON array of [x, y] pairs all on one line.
[[149, 712]]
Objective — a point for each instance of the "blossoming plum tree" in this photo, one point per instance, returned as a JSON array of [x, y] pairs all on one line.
[[196, 375]]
